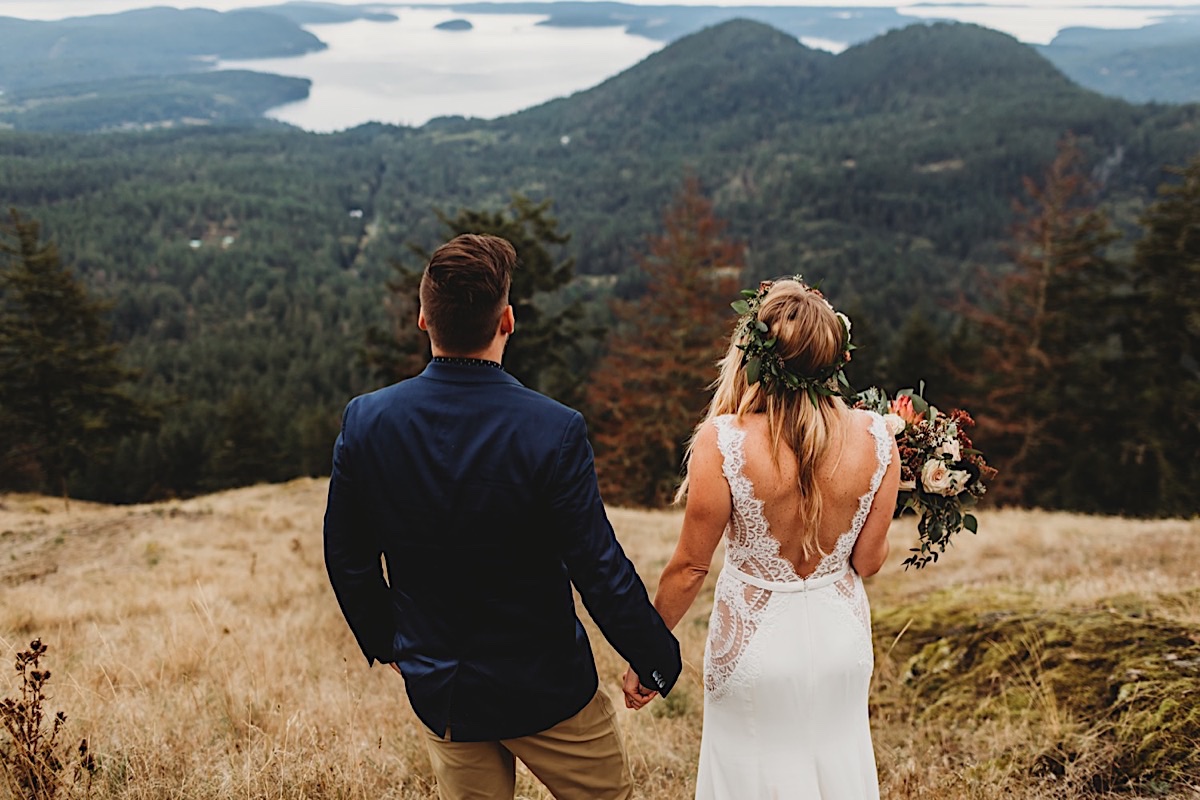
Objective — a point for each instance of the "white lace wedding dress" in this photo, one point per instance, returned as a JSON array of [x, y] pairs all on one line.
[[788, 661]]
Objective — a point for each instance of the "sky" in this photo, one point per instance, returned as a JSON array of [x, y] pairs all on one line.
[[1033, 21]]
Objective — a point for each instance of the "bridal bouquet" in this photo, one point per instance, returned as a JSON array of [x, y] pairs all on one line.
[[941, 473]]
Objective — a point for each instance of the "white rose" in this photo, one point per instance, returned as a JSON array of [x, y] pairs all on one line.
[[940, 479], [895, 424], [950, 448], [908, 486]]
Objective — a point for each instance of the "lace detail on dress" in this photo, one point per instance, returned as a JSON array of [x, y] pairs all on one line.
[[749, 545], [739, 609]]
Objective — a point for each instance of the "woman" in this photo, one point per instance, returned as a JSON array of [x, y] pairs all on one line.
[[802, 489]]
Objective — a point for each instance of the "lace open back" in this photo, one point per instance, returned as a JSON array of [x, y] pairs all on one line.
[[755, 571]]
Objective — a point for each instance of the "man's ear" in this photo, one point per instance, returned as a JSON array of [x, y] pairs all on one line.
[[421, 320], [508, 321]]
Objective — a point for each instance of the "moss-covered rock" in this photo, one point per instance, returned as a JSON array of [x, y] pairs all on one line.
[[1115, 686]]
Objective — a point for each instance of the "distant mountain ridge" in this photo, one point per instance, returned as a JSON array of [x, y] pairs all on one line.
[[1160, 62], [721, 75], [145, 42]]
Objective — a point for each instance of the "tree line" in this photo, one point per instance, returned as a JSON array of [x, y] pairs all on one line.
[[1078, 357]]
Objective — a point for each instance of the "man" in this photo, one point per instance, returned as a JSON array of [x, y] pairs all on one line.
[[481, 497]]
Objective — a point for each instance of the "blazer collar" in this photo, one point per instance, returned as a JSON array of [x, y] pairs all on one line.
[[467, 373]]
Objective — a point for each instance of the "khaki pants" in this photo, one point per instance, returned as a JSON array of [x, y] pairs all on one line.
[[581, 758]]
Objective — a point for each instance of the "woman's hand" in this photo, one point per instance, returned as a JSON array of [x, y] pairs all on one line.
[[636, 695]]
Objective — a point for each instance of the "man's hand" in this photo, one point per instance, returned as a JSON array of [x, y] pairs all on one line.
[[636, 695], [396, 667]]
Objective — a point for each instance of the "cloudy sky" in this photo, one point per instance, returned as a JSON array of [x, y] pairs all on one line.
[[1035, 21]]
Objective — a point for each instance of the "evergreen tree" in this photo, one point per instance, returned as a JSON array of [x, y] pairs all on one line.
[[1161, 457], [919, 356], [1043, 327], [547, 347], [652, 386], [62, 397], [248, 450]]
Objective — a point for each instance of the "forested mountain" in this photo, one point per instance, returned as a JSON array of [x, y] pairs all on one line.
[[150, 67], [1158, 62], [151, 41], [152, 102], [247, 264]]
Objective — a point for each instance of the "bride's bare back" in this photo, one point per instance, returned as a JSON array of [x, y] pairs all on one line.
[[843, 478]]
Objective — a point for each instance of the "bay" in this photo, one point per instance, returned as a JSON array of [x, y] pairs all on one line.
[[407, 71]]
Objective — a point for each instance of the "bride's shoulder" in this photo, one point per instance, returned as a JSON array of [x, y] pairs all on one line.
[[868, 425], [865, 417], [728, 432], [729, 422]]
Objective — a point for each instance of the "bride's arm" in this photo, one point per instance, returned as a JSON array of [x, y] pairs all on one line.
[[704, 519]]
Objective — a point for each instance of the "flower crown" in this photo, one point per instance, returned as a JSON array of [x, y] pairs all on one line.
[[764, 364]]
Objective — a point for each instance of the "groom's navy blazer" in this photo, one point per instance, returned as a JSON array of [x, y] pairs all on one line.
[[480, 494]]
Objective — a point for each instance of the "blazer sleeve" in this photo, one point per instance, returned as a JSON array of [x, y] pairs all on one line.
[[610, 587], [353, 559]]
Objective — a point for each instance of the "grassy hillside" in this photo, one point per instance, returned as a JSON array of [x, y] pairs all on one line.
[[199, 647]]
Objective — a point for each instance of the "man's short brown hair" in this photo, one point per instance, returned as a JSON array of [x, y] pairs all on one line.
[[464, 291]]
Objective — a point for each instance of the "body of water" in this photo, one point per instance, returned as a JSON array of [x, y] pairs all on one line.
[[408, 72]]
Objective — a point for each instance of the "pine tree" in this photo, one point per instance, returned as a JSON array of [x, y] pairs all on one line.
[[1162, 454], [546, 349], [1043, 328], [247, 450], [652, 386], [919, 355], [62, 398]]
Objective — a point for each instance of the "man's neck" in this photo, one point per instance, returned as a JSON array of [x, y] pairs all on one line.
[[494, 353]]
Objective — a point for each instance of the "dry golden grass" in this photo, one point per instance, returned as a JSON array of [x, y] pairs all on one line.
[[198, 645]]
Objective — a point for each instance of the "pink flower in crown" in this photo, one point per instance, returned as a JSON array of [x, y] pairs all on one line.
[[902, 407]]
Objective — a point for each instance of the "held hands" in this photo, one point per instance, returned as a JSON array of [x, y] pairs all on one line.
[[636, 695]]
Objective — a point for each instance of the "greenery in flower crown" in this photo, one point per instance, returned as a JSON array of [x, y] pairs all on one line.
[[763, 363]]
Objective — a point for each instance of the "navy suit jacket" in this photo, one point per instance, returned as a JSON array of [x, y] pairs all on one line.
[[481, 497]]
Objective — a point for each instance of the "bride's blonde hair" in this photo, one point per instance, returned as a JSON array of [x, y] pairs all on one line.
[[809, 337]]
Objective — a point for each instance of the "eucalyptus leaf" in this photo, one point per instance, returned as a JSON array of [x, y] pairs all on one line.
[[753, 367], [741, 307]]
